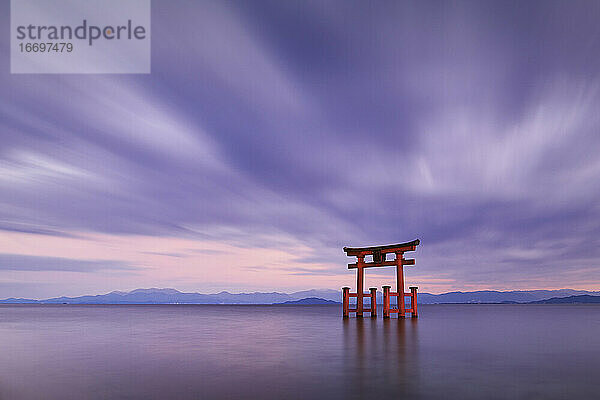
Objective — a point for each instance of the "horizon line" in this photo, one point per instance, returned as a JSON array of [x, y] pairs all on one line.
[[290, 293]]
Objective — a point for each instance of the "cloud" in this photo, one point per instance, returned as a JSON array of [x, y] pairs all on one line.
[[166, 254], [20, 262], [472, 127]]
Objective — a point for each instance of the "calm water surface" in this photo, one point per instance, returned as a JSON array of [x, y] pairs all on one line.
[[295, 352]]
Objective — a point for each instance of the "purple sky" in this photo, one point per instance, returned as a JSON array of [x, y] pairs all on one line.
[[270, 134]]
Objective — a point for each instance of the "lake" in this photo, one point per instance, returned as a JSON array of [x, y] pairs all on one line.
[[298, 352]]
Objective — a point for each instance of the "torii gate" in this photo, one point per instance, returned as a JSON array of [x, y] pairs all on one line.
[[379, 254]]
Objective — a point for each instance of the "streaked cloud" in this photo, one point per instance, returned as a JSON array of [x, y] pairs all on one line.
[[271, 134], [20, 262]]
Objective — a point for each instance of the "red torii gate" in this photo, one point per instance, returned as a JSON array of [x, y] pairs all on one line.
[[379, 254]]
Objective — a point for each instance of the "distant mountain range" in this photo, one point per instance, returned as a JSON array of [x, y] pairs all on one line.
[[172, 296], [314, 296], [582, 299], [492, 296], [310, 301]]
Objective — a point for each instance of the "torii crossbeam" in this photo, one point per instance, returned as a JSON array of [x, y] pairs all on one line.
[[379, 254]]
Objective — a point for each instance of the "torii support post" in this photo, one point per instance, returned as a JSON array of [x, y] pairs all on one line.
[[346, 301], [373, 291], [413, 301], [386, 301], [379, 254]]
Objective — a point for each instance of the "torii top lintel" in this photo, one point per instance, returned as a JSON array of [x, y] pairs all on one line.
[[390, 248]]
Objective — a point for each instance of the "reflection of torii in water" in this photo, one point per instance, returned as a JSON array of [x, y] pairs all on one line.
[[379, 254]]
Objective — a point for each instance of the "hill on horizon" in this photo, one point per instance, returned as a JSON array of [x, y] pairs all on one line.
[[581, 299], [313, 301], [173, 296]]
